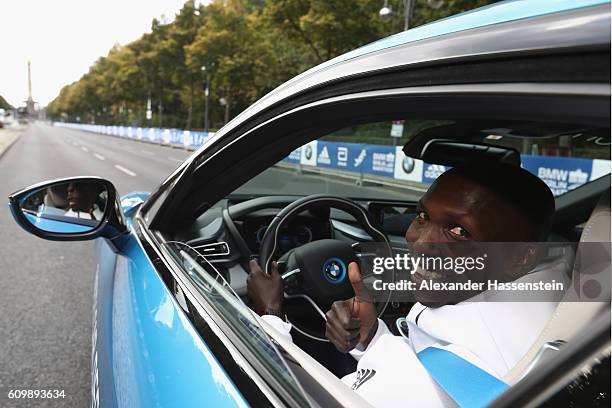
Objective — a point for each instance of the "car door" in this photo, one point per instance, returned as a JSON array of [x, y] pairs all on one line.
[[145, 351]]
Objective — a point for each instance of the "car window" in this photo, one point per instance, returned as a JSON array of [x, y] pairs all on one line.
[[236, 315], [362, 162], [367, 162]]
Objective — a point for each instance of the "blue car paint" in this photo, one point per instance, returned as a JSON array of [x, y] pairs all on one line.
[[131, 201], [147, 352], [49, 225], [496, 13]]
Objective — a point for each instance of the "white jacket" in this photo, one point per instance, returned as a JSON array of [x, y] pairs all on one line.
[[490, 334]]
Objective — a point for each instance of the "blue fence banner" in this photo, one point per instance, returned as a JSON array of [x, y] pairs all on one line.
[[294, 156], [356, 157], [173, 137], [380, 160], [561, 174], [341, 156], [407, 168], [308, 154], [432, 172]]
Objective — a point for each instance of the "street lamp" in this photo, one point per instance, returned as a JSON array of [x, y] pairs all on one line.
[[206, 93], [386, 11], [225, 103]]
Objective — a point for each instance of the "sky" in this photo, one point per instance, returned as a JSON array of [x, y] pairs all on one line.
[[63, 38]]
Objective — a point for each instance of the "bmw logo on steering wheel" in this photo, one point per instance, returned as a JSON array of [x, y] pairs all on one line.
[[334, 270]]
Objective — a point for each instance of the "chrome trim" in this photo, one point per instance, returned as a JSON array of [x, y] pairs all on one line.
[[290, 273], [211, 247], [365, 254]]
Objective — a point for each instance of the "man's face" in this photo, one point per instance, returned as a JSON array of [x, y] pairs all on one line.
[[453, 217], [80, 197]]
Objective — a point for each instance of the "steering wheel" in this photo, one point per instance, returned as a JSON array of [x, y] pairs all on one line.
[[318, 271]]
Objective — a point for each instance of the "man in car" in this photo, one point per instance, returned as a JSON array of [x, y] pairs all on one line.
[[497, 203], [81, 198]]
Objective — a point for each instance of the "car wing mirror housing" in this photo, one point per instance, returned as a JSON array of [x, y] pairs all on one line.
[[71, 209]]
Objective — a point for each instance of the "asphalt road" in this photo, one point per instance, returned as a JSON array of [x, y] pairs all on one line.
[[46, 287]]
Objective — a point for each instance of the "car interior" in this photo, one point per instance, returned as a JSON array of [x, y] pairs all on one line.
[[268, 218]]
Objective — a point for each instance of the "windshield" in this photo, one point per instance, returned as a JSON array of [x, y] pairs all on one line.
[[366, 162]]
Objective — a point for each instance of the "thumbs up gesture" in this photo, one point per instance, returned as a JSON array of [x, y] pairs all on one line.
[[352, 321]]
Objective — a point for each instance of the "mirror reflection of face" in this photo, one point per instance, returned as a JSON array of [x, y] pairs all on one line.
[[81, 196]]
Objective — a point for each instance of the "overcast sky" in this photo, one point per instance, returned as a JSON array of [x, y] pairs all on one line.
[[63, 38]]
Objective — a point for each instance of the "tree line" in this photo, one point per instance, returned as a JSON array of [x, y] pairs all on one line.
[[241, 49], [4, 104]]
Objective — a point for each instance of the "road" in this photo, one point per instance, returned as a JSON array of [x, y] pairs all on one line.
[[46, 287]]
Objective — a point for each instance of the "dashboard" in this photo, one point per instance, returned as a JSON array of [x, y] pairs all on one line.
[[301, 230], [230, 233]]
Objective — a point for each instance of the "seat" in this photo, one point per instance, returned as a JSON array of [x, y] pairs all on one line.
[[590, 281]]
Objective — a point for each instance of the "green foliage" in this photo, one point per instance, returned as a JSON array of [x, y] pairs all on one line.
[[4, 104], [248, 47]]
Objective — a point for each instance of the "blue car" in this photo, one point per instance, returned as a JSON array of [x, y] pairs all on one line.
[[328, 162]]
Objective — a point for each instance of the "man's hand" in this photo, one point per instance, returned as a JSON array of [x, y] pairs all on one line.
[[265, 291], [352, 321]]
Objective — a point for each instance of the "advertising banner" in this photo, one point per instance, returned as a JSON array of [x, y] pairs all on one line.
[[600, 168], [432, 172], [356, 157], [380, 160], [407, 168], [341, 156], [294, 156], [561, 174], [308, 154], [197, 139]]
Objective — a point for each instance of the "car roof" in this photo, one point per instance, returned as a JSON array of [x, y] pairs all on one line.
[[496, 13]]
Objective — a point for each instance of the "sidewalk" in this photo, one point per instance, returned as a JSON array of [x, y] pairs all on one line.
[[8, 136]]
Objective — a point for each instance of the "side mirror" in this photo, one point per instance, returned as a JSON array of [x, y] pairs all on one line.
[[71, 209]]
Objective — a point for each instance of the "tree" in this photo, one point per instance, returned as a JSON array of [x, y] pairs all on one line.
[[247, 46], [4, 104]]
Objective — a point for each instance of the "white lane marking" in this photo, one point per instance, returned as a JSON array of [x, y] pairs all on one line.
[[174, 159], [126, 171], [98, 156], [75, 144], [148, 152], [83, 148]]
